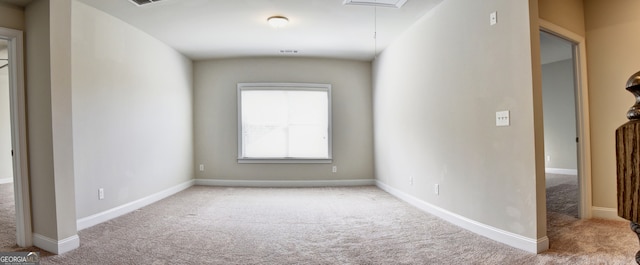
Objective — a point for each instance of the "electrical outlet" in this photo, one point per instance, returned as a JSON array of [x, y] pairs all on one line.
[[334, 169], [201, 167], [100, 194], [436, 189], [548, 158], [411, 180]]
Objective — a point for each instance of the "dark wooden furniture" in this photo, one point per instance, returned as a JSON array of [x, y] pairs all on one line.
[[628, 162]]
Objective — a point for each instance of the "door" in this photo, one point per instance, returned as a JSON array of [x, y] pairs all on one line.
[[559, 83]]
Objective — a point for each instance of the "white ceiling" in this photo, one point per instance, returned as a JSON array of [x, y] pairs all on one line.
[[203, 29]]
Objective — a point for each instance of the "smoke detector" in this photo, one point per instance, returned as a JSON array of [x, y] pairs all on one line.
[[376, 3], [144, 2]]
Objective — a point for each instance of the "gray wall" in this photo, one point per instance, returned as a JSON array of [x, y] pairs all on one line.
[[132, 112], [216, 118], [559, 115], [436, 91], [48, 93]]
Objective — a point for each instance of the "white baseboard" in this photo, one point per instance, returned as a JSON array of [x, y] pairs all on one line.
[[107, 215], [562, 171], [606, 213], [505, 237], [6, 180], [285, 183], [56, 246]]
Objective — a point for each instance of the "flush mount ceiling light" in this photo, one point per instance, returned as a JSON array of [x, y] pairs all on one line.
[[277, 21], [144, 2], [379, 3]]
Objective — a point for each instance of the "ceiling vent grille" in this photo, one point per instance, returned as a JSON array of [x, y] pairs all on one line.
[[289, 51], [378, 3], [144, 2]]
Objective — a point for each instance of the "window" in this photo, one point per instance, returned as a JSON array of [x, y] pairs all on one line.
[[284, 123]]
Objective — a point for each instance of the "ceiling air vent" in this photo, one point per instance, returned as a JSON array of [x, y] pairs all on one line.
[[289, 51], [378, 3], [144, 2]]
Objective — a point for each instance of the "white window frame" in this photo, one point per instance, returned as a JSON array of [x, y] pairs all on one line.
[[284, 86]]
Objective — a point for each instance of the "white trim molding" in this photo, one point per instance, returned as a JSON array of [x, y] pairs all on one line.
[[561, 171], [285, 183], [6, 180], [107, 215], [606, 213], [518, 241], [56, 246]]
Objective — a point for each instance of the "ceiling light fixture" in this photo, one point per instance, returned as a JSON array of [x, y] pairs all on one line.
[[278, 21], [144, 2], [380, 3]]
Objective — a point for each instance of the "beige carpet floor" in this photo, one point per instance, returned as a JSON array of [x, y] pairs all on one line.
[[7, 218], [362, 225], [562, 194]]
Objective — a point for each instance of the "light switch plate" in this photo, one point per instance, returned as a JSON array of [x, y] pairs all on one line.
[[502, 118], [493, 18]]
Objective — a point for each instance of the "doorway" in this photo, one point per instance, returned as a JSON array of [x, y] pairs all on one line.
[[7, 197], [12, 95], [6, 162], [559, 84]]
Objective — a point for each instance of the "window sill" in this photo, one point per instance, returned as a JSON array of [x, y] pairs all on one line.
[[284, 161]]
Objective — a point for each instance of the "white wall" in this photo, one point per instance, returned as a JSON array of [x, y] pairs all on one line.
[[6, 162], [559, 115], [132, 112], [216, 118], [436, 91]]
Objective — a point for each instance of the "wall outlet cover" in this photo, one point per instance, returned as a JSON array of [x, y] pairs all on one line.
[[493, 18]]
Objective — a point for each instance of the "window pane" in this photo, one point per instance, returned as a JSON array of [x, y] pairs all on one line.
[[308, 141], [265, 141], [286, 123]]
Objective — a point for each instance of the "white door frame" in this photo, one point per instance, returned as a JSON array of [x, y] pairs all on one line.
[[24, 236], [582, 111]]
